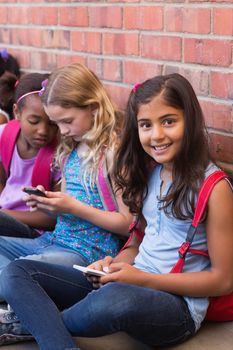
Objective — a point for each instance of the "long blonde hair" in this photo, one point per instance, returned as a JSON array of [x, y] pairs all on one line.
[[76, 86]]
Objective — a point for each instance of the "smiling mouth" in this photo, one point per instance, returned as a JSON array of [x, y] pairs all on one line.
[[161, 148]]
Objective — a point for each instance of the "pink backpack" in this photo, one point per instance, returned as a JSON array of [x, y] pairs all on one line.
[[220, 308], [42, 166]]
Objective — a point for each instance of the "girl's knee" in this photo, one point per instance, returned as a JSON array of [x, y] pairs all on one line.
[[11, 274]]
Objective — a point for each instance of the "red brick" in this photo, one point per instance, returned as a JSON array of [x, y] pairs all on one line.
[[218, 116], [120, 44], [137, 71], [187, 20], [73, 16], [118, 94], [161, 47], [105, 17], [32, 37], [125, 1], [208, 52], [3, 15], [86, 41], [222, 85], [64, 59], [43, 61], [143, 17], [47, 17], [5, 36], [222, 147], [20, 15], [95, 64], [197, 78], [223, 21], [56, 39], [112, 70]]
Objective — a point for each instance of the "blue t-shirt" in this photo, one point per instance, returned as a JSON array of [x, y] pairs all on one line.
[[91, 241], [164, 235]]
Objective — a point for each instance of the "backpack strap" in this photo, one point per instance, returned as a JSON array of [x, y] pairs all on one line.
[[202, 200], [42, 166], [105, 188], [7, 144]]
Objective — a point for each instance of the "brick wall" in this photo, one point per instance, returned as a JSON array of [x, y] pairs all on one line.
[[127, 41]]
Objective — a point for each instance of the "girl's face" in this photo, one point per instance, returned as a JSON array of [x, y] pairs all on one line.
[[161, 130], [36, 128], [73, 122]]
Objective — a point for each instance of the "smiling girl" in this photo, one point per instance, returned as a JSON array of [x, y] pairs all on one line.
[[161, 163]]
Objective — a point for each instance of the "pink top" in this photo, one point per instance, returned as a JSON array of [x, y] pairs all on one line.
[[20, 175]]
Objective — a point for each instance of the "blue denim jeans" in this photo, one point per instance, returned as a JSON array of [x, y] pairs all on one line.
[[43, 248], [61, 298]]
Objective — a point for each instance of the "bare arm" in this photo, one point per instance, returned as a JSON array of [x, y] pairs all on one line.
[[217, 281], [37, 219], [116, 222], [2, 177]]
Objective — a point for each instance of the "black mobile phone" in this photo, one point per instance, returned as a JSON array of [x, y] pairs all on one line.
[[34, 190]]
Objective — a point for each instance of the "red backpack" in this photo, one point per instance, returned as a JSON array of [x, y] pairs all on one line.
[[42, 166], [220, 308]]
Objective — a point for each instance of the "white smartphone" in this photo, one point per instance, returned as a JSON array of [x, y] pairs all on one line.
[[89, 271]]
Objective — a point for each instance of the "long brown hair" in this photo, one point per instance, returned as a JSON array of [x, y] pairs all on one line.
[[133, 165]]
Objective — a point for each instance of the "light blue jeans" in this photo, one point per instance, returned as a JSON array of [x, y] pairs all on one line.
[[44, 248], [151, 316]]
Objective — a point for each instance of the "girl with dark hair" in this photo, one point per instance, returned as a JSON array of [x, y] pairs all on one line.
[[160, 166], [21, 142]]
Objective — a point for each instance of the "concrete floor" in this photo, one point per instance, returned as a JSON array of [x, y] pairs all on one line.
[[212, 336]]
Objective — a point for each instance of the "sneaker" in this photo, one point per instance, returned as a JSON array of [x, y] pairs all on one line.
[[8, 316], [11, 331]]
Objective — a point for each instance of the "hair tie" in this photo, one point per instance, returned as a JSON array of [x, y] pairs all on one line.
[[16, 84], [4, 54], [136, 86], [43, 84]]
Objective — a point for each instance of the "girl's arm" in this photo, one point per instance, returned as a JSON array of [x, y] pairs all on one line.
[[37, 219], [2, 177], [219, 279], [126, 255], [116, 222]]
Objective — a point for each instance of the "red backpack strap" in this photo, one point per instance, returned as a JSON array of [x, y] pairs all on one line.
[[202, 200], [8, 141], [105, 188], [41, 174]]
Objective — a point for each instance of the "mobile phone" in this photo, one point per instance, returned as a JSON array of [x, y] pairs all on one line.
[[89, 271], [34, 190]]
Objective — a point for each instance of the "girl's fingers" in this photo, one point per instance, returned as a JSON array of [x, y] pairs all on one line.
[[45, 207], [106, 263]]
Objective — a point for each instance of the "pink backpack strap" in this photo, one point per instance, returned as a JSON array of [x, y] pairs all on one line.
[[7, 144], [105, 188], [202, 200], [42, 168]]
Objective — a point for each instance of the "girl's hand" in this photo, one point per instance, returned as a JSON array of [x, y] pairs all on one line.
[[123, 272], [101, 265], [54, 202], [28, 198]]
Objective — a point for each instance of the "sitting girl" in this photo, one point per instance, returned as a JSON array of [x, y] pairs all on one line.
[[27, 147], [161, 163]]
